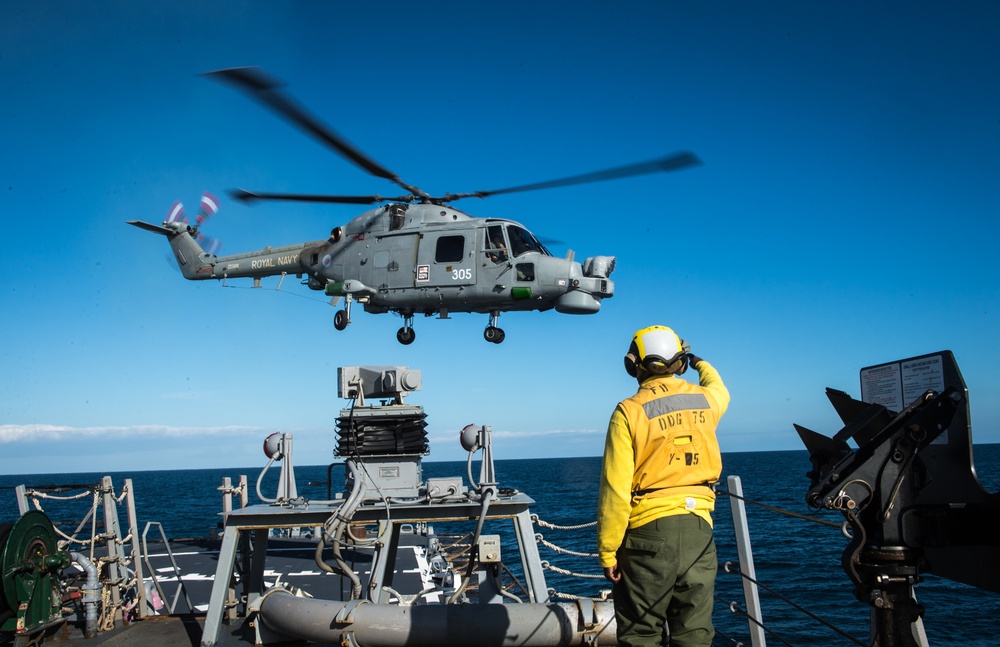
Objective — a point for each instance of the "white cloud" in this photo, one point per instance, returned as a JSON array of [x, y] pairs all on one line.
[[517, 435], [546, 432], [41, 432]]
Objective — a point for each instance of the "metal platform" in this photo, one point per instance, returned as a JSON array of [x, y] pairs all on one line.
[[251, 526]]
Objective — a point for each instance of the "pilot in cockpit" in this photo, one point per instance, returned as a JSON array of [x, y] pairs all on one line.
[[496, 250]]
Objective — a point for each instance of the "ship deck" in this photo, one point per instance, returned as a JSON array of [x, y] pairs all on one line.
[[289, 562]]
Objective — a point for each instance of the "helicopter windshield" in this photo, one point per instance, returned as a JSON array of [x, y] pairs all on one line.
[[496, 248], [521, 241]]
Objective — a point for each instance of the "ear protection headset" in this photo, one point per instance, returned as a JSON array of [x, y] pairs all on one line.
[[657, 350]]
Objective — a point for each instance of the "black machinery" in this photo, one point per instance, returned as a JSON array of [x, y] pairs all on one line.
[[908, 492]]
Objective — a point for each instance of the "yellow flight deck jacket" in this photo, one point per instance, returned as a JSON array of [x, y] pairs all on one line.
[[660, 454]]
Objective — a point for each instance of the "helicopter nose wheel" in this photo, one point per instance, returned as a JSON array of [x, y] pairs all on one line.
[[343, 317], [406, 334], [340, 320], [492, 332]]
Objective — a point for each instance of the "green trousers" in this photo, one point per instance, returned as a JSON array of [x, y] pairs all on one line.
[[668, 581]]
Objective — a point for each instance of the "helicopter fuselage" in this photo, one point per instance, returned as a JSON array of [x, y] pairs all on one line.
[[414, 253], [417, 258]]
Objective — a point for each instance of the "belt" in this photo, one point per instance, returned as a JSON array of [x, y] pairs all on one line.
[[641, 493]]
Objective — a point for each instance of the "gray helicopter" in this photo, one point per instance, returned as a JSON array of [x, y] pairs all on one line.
[[412, 254]]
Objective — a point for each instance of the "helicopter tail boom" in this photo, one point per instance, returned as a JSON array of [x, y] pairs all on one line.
[[191, 258], [196, 264]]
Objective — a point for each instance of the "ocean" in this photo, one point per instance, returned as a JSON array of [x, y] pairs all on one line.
[[795, 559]]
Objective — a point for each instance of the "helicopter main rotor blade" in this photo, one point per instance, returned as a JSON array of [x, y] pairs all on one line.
[[260, 86], [674, 162], [248, 197]]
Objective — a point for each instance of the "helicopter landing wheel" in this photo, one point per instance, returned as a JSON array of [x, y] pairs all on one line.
[[493, 334], [340, 320], [405, 336]]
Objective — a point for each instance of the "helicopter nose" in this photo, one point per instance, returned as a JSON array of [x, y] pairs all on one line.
[[586, 292], [578, 302]]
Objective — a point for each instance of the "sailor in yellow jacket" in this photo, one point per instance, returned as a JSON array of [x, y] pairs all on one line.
[[654, 523]]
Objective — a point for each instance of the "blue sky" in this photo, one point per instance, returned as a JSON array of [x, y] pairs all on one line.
[[845, 214]]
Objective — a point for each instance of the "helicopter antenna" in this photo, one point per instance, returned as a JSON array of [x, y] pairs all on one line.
[[266, 90]]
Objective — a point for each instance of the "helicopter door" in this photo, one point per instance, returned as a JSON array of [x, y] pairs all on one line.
[[446, 258], [375, 273], [391, 266]]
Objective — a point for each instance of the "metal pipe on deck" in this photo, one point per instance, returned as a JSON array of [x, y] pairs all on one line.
[[91, 594], [583, 622]]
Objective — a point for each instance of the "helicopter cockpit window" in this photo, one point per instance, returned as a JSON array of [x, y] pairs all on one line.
[[525, 271], [450, 249], [522, 241], [496, 248]]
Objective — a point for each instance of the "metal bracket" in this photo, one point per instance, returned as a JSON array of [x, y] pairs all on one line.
[[588, 616], [346, 615]]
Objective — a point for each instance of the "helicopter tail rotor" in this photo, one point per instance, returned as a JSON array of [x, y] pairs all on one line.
[[209, 244], [209, 207], [176, 213]]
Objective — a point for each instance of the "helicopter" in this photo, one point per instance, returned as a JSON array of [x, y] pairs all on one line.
[[411, 254]]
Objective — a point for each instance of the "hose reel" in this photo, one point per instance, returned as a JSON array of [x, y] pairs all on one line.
[[30, 563]]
